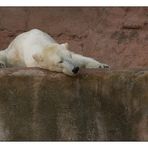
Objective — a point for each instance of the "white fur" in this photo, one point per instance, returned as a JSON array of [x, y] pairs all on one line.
[[37, 49]]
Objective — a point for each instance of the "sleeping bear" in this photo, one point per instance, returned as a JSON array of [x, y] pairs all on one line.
[[36, 48]]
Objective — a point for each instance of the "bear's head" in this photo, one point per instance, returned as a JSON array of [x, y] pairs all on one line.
[[56, 57]]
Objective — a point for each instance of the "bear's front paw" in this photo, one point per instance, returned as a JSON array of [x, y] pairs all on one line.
[[2, 65], [103, 66]]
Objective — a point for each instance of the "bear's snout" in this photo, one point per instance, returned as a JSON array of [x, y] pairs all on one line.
[[75, 70]]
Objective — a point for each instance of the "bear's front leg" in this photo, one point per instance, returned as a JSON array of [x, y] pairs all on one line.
[[87, 62]]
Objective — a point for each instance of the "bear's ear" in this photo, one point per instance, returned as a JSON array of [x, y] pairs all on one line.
[[65, 45], [37, 57]]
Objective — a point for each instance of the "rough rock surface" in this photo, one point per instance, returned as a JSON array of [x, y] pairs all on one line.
[[116, 36], [37, 104]]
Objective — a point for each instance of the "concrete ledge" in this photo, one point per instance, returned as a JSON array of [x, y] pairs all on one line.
[[97, 105]]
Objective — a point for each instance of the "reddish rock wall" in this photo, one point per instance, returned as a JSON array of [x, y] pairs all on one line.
[[116, 36]]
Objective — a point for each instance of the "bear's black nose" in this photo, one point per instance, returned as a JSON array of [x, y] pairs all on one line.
[[75, 70]]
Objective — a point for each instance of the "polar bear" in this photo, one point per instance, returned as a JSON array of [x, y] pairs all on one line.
[[36, 48]]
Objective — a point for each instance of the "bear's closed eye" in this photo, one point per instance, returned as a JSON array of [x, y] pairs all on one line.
[[60, 61]]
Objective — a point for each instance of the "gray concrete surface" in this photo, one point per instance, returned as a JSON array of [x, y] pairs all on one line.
[[97, 105]]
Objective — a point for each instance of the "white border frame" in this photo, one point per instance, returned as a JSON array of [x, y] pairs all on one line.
[[74, 3]]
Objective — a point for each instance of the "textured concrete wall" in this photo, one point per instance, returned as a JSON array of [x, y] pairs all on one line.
[[40, 105], [116, 36]]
